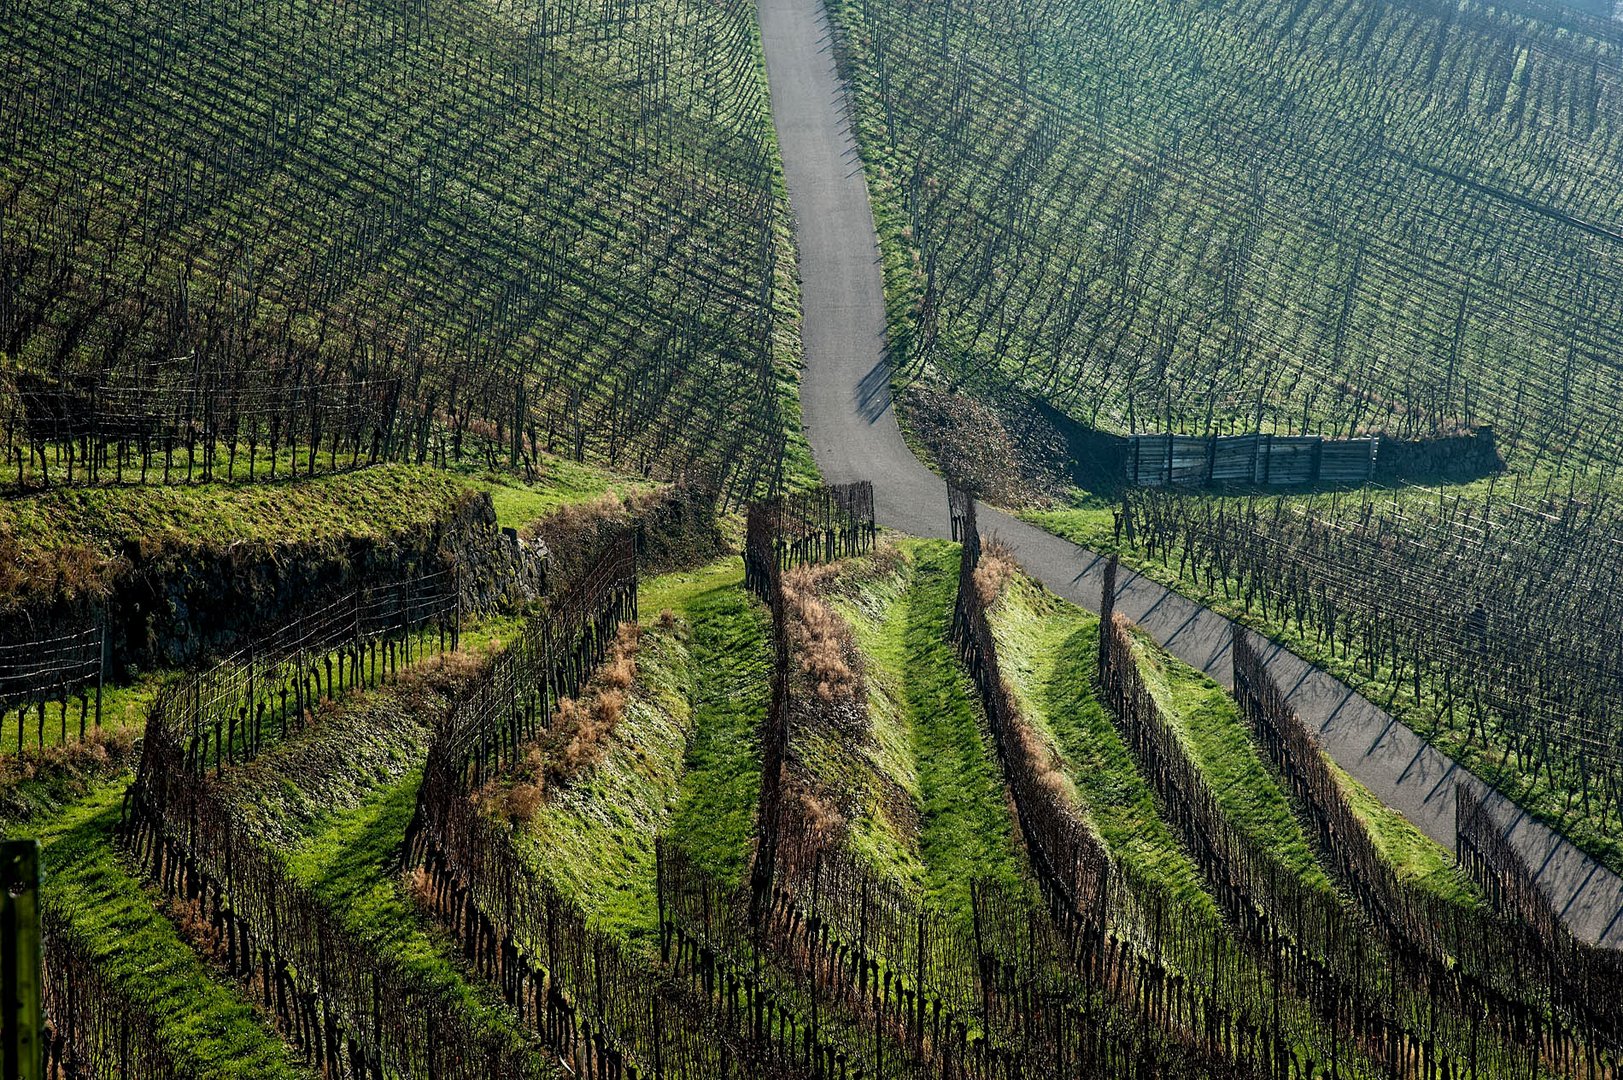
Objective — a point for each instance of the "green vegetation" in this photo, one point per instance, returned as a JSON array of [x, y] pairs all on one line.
[[206, 1025], [928, 718], [595, 835], [1207, 720], [1415, 855], [350, 861], [730, 654], [94, 525], [372, 192], [1554, 802], [1253, 214], [1049, 652]]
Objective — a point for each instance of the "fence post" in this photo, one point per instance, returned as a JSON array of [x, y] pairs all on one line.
[[101, 671], [22, 1024]]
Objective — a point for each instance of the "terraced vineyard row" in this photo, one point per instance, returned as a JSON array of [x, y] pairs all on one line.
[[1478, 615], [1254, 215], [624, 853], [550, 226]]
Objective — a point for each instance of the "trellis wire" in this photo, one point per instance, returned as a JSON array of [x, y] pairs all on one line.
[[35, 673], [129, 427], [362, 639]]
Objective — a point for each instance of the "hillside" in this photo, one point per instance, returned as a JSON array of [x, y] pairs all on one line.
[[553, 226], [525, 555], [1253, 215]]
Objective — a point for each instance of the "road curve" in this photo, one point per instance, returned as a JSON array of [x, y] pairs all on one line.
[[845, 399]]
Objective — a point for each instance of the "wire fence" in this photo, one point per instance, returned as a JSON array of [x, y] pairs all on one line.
[[183, 422], [227, 712], [67, 671]]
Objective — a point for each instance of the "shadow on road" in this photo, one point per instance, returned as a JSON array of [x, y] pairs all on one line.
[[873, 392]]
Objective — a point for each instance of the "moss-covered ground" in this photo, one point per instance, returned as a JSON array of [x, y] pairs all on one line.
[[730, 652], [930, 730], [208, 1028]]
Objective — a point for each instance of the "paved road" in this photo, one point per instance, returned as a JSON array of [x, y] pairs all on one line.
[[853, 432]]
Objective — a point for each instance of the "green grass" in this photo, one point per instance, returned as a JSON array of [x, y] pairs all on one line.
[[941, 750], [595, 838], [206, 1026], [370, 504], [1048, 650], [1207, 721], [350, 861], [1414, 855], [520, 502], [731, 654], [866, 773], [1417, 858]]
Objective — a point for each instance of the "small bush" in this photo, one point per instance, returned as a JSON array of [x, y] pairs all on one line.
[[994, 572]]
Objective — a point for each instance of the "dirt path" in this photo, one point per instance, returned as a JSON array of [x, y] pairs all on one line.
[[853, 432]]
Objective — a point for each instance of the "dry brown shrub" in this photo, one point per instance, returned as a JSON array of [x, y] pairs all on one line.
[[418, 887], [815, 818], [994, 572], [523, 801], [619, 670], [819, 639], [194, 927], [667, 619]]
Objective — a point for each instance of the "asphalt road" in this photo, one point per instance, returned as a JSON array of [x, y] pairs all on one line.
[[852, 428]]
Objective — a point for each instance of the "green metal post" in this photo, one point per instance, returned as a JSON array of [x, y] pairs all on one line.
[[22, 1055]]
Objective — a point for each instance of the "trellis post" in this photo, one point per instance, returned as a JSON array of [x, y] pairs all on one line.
[[22, 1055]]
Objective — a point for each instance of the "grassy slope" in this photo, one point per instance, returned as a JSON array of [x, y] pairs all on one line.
[[1088, 523], [731, 654], [336, 800], [206, 1025], [519, 502], [1048, 651], [937, 745], [340, 823], [1417, 857], [1208, 722], [595, 836], [350, 860], [373, 503]]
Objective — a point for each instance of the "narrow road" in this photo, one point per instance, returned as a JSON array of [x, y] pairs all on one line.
[[845, 397]]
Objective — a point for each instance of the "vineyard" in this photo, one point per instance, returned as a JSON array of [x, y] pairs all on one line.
[[244, 242], [1269, 244], [1254, 216], [852, 805], [1471, 615], [427, 649]]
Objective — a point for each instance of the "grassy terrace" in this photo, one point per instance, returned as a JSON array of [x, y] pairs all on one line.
[[68, 541], [204, 1023], [1208, 721], [675, 755], [349, 861], [1090, 524], [730, 653], [1048, 650], [335, 801], [929, 734], [595, 837]]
